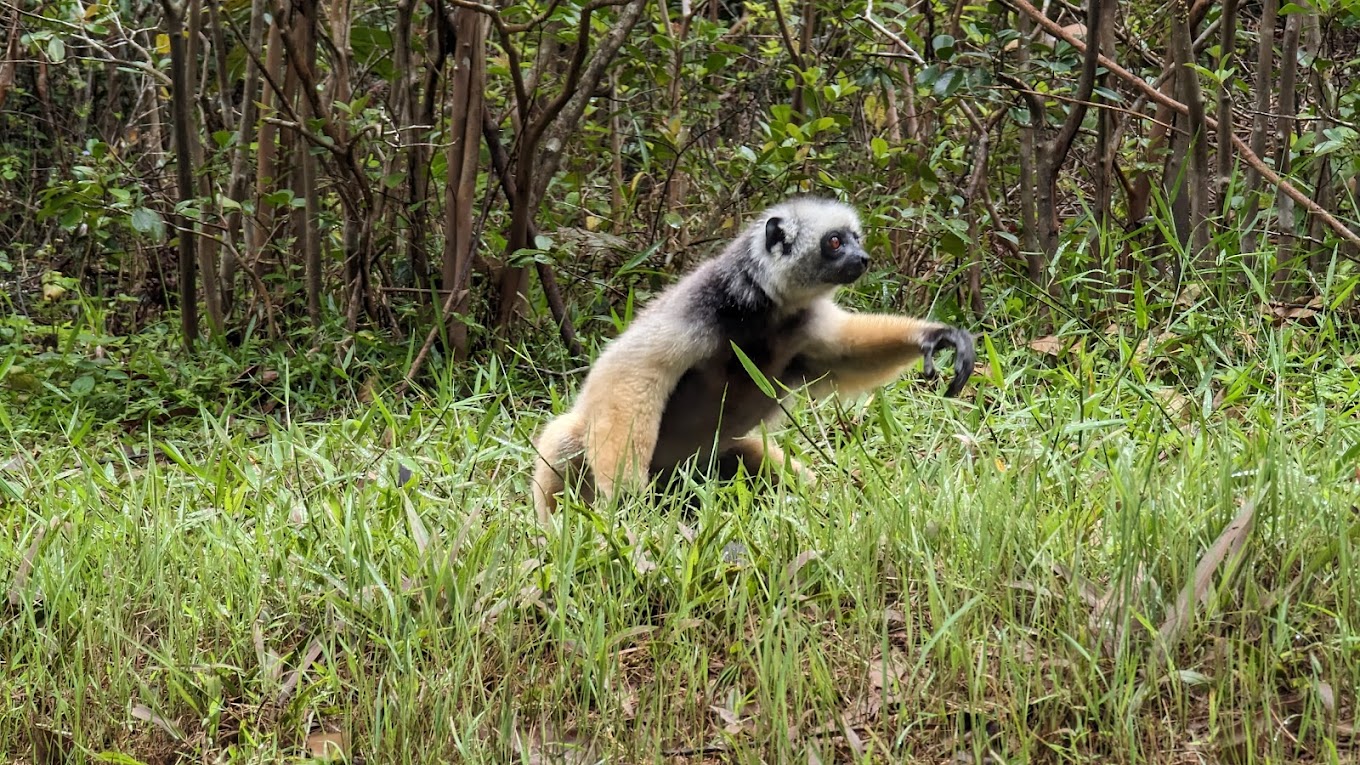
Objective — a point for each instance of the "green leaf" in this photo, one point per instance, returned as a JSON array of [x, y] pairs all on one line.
[[1109, 96], [82, 385], [543, 242], [879, 147], [952, 244], [944, 46], [145, 221], [1327, 147], [280, 198], [948, 84], [56, 50]]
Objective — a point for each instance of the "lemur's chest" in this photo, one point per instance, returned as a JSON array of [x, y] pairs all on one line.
[[718, 399]]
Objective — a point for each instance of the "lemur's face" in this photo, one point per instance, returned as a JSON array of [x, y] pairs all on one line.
[[842, 256], [813, 246]]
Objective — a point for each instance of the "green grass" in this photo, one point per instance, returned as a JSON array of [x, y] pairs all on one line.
[[983, 580]]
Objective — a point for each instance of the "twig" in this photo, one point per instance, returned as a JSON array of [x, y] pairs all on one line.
[[873, 22], [1018, 86]]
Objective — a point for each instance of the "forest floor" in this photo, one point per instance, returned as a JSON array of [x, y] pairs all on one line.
[[1114, 548]]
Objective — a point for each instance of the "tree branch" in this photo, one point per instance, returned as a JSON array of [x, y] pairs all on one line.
[[1062, 144], [500, 160]]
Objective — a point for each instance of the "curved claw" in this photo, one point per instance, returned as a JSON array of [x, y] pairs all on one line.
[[965, 355]]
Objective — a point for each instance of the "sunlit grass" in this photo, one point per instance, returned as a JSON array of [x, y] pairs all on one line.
[[983, 579]]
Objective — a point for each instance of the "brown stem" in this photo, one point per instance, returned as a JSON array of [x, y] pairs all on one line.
[[500, 162], [1284, 131], [182, 101], [1227, 41]]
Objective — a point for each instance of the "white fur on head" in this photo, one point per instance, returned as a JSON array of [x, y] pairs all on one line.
[[784, 264], [804, 219]]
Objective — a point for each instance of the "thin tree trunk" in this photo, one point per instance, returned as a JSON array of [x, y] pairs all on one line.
[[1107, 146], [182, 100], [544, 139], [891, 117], [1053, 156], [1195, 136], [207, 246], [676, 124], [467, 83], [236, 188], [1227, 42], [1264, 80], [1035, 262], [976, 180], [219, 46], [1285, 109], [910, 123], [616, 206], [267, 157], [500, 163], [303, 29], [405, 104], [1312, 41], [9, 54], [357, 253]]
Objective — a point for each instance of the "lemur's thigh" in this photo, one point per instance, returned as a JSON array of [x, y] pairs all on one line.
[[561, 458]]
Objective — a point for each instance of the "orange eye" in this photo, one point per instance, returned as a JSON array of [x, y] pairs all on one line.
[[835, 242]]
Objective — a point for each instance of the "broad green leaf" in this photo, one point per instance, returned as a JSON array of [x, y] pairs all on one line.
[[82, 385], [146, 221]]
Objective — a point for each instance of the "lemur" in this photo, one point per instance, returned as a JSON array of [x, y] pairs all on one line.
[[671, 387]]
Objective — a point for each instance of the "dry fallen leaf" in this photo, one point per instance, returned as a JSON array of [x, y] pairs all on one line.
[[143, 712], [1285, 311], [325, 745], [1225, 549], [799, 562], [20, 582], [546, 744], [289, 685], [1327, 696], [1173, 403], [1051, 345]]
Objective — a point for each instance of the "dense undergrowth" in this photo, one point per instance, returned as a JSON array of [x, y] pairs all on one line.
[[1132, 540]]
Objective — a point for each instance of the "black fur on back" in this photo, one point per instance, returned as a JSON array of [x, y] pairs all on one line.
[[717, 400]]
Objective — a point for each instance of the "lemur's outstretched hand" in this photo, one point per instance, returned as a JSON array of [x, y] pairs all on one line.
[[965, 355]]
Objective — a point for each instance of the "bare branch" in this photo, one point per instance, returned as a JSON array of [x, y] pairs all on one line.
[[873, 22]]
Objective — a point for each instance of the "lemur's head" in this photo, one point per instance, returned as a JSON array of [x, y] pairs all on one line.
[[808, 246]]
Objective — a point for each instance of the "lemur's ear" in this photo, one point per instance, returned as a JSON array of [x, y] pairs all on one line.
[[779, 231]]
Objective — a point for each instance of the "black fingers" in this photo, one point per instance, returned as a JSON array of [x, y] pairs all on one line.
[[965, 355]]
